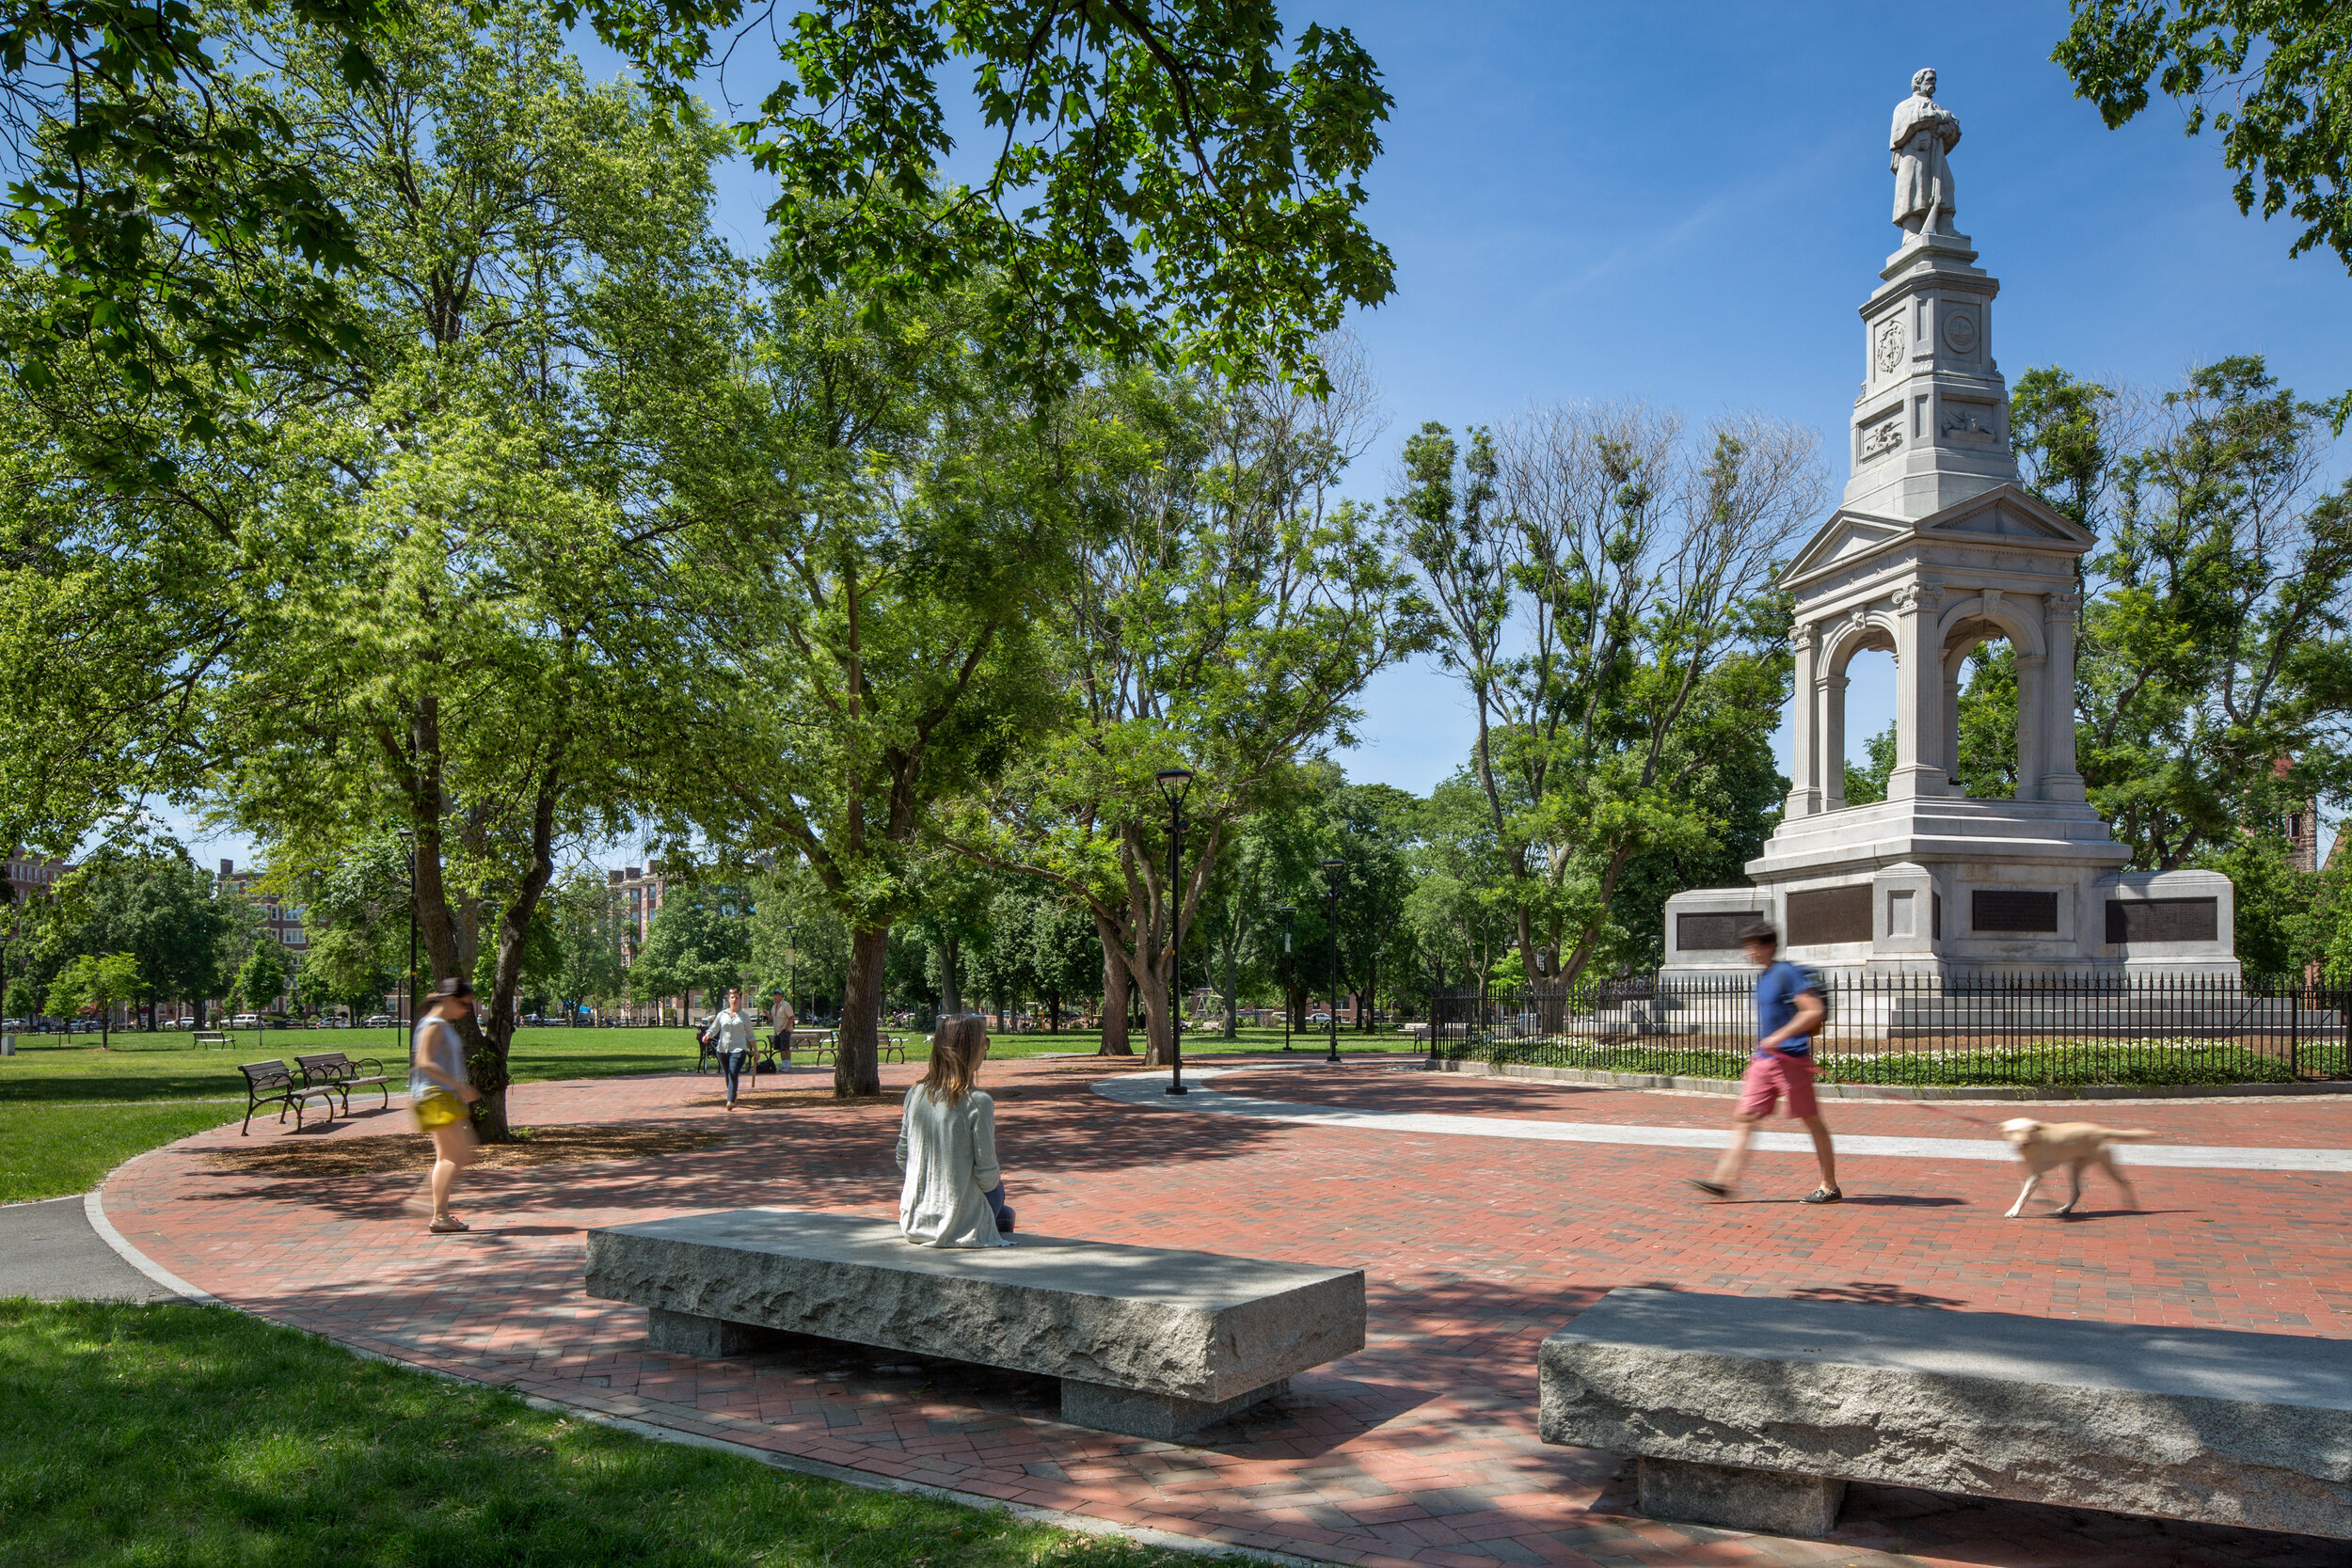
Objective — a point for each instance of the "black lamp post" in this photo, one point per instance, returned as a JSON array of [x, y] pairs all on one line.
[[1290, 916], [1173, 782], [1331, 870]]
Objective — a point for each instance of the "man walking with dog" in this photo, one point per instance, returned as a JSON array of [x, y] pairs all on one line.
[[1789, 1011]]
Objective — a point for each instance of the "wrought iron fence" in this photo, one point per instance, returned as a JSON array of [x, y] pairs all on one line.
[[2052, 1029]]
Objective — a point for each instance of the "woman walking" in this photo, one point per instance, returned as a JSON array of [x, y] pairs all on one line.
[[731, 1037], [439, 1094], [954, 1195]]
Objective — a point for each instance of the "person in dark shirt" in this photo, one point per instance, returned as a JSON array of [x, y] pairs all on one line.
[[1787, 1012]]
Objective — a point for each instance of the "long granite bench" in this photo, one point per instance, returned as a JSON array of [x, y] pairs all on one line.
[[1146, 1342], [1755, 1412]]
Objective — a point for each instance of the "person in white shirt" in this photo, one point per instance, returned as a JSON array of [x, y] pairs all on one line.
[[438, 1093], [954, 1195], [731, 1041]]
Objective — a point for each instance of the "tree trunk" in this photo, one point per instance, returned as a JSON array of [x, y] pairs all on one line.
[[857, 1059], [950, 983], [1115, 996], [1232, 1010], [1159, 1019]]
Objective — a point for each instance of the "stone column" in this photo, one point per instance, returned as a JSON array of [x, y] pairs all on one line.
[[2033, 722], [1919, 682], [1833, 742], [1955, 660], [2060, 780], [1805, 755]]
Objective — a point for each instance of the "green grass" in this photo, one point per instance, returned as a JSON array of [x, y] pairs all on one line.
[[200, 1438], [50, 1150], [2038, 1064]]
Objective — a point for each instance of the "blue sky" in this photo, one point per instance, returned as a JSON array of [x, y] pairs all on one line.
[[1685, 203]]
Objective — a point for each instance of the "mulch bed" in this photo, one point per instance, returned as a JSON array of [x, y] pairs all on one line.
[[536, 1146]]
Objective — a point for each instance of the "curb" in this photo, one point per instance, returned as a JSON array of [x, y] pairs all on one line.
[[1898, 1092], [94, 1209]]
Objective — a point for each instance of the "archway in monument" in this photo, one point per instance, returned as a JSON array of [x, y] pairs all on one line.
[[1994, 667], [1856, 683]]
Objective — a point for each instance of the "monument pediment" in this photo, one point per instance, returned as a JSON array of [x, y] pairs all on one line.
[[2009, 515]]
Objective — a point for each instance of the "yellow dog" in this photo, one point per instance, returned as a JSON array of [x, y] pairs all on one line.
[[2044, 1146]]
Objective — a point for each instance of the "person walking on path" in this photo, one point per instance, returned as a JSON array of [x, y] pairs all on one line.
[[782, 1021], [438, 1093], [731, 1038], [954, 1195], [1789, 1011]]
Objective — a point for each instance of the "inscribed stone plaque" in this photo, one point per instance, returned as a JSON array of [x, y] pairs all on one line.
[[2164, 920], [1709, 933], [1830, 914], [2004, 908]]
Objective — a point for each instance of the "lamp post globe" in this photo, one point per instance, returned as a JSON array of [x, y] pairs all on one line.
[[1331, 869], [1173, 782]]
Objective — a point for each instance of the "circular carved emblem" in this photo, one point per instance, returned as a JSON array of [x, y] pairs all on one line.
[[1890, 344], [1960, 332]]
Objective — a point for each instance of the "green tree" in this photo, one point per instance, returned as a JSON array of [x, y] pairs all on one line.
[[698, 941], [590, 929], [1229, 609], [2215, 666], [99, 982], [902, 512], [1606, 593], [1867, 783], [2273, 78], [262, 980], [467, 614], [800, 945], [149, 900]]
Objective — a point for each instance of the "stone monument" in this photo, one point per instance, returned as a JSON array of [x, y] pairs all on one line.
[[1936, 547]]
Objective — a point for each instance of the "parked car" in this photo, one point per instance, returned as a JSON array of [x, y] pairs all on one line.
[[246, 1021], [1318, 1018], [531, 1018], [378, 1020]]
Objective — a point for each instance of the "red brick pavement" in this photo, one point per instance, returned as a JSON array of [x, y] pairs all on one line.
[[1419, 1449]]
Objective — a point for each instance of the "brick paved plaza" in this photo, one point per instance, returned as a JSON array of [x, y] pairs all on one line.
[[1420, 1449]]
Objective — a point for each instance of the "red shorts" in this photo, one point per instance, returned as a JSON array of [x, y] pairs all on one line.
[[1770, 1077]]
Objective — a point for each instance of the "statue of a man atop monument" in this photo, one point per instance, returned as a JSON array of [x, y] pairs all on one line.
[[1924, 132]]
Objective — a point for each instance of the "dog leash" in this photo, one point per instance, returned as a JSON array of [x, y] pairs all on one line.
[[1956, 1115]]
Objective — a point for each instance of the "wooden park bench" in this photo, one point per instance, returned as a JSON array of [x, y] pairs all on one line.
[[269, 1084], [887, 1048], [333, 1069], [1755, 1412], [1147, 1342], [205, 1039]]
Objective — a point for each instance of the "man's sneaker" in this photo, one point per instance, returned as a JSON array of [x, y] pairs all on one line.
[[1825, 1195], [1712, 1188]]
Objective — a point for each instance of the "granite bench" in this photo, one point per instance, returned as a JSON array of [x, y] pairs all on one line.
[[1755, 1412], [1147, 1342]]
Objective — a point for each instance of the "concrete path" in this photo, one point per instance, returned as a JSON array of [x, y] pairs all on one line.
[[1150, 1093], [49, 1252]]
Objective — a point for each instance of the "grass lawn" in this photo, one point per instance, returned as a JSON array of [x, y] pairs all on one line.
[[50, 1150], [197, 1436]]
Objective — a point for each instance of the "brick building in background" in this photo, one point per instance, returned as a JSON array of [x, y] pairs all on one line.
[[280, 921]]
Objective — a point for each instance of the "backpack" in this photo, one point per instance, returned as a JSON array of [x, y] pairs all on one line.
[[1819, 983]]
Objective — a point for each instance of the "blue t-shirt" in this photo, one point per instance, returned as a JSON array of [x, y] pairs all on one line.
[[1776, 992]]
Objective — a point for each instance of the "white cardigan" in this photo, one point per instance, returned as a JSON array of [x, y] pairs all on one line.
[[949, 1155]]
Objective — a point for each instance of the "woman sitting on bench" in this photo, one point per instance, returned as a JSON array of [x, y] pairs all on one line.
[[954, 1195]]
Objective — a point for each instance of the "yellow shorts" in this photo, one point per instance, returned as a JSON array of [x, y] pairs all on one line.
[[436, 1109]]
